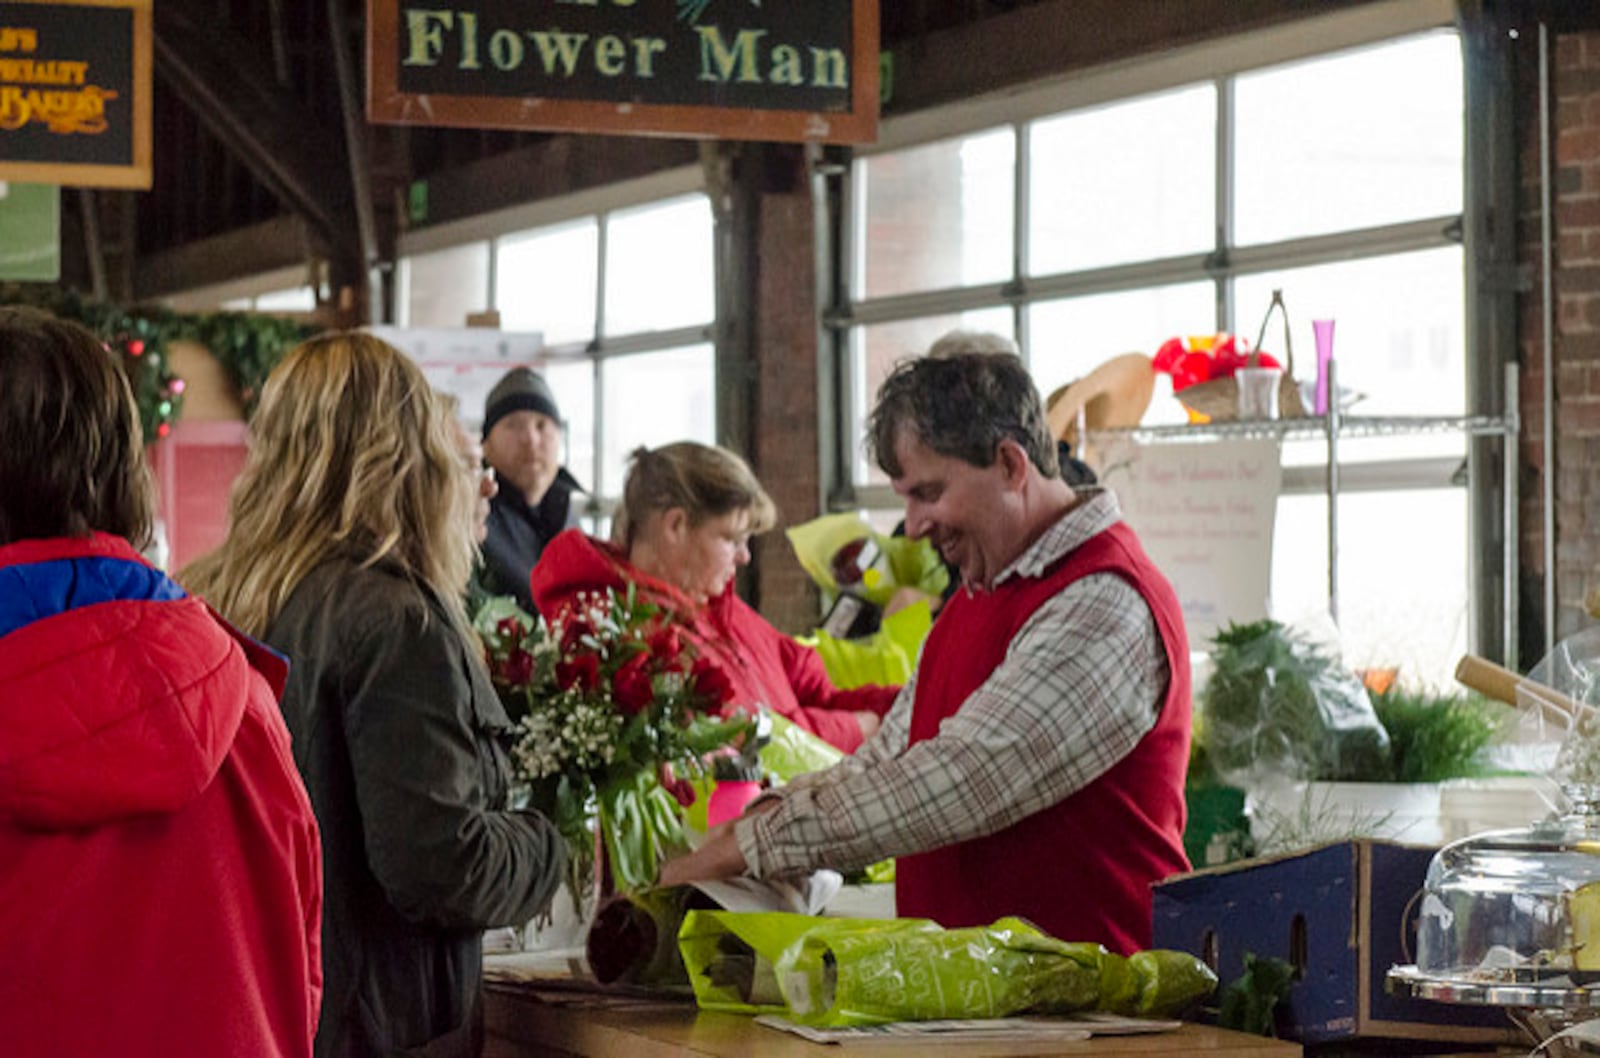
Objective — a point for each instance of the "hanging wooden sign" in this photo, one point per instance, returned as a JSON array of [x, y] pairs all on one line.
[[75, 93], [792, 70]]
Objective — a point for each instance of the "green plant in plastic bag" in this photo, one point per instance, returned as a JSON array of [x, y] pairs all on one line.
[[1276, 701]]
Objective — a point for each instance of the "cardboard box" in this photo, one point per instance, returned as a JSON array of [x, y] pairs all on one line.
[[1343, 914]]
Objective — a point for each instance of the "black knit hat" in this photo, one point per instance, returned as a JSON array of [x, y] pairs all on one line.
[[519, 390]]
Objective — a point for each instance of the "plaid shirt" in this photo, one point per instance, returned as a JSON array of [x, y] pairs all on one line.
[[1081, 684]]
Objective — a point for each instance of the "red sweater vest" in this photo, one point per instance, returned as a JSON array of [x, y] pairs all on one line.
[[1082, 869]]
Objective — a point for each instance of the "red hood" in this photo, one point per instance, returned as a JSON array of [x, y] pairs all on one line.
[[574, 562], [115, 709]]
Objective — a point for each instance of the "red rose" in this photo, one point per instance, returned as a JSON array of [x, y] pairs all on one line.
[[631, 687], [712, 683], [666, 648], [516, 669], [573, 632], [509, 628], [582, 672]]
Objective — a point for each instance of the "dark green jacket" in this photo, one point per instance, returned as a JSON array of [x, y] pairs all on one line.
[[397, 733]]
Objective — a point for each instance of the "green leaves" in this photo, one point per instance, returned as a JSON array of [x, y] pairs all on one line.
[[1248, 1004], [1437, 737]]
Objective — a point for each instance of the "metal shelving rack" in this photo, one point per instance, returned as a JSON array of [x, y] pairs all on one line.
[[1335, 425]]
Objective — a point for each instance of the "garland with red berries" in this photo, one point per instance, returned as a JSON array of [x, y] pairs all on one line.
[[248, 347]]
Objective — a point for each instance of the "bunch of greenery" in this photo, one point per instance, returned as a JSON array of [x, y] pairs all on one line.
[[1275, 700], [1251, 1003], [1436, 737]]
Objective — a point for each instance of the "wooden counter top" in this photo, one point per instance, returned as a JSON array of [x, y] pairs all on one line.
[[522, 1022]]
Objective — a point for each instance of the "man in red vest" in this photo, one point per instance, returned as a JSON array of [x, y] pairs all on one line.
[[1034, 765]]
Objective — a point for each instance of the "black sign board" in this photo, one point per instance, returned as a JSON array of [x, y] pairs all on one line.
[[737, 69], [75, 92]]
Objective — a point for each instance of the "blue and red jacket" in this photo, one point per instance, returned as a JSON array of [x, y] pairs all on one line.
[[161, 888]]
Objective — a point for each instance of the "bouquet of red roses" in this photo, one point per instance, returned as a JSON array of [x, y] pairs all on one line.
[[613, 713]]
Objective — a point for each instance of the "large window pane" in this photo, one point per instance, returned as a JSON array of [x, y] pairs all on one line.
[[1122, 183], [1402, 576], [660, 268], [443, 287], [547, 280], [937, 216], [1070, 337], [1354, 141], [651, 399], [1398, 340], [875, 350], [572, 381]]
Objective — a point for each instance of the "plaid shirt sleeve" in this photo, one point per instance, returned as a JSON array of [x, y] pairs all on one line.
[[890, 739], [1081, 684]]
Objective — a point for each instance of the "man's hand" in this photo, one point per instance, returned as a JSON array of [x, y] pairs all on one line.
[[869, 724], [718, 856]]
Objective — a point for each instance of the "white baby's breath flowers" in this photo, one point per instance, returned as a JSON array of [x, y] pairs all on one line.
[[538, 751], [590, 734]]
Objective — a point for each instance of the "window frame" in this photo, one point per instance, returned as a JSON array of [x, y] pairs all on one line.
[[599, 348], [1218, 62]]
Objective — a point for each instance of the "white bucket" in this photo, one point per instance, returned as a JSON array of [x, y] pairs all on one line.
[[1288, 816]]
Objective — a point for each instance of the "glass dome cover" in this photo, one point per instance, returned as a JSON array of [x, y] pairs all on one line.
[[1519, 905]]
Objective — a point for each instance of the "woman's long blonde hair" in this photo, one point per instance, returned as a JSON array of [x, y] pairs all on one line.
[[352, 453]]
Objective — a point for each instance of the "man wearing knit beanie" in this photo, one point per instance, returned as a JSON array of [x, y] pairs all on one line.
[[522, 435]]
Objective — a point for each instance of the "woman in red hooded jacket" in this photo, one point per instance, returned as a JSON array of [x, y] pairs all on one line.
[[684, 529], [161, 887]]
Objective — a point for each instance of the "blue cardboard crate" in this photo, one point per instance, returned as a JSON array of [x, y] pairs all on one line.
[[1344, 914]]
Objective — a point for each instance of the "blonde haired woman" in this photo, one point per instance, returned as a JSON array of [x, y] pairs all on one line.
[[350, 543], [688, 513]]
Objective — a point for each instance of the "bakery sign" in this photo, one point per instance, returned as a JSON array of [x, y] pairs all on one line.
[[75, 93], [791, 70]]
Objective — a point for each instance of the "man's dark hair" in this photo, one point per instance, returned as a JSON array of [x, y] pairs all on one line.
[[962, 407], [71, 452]]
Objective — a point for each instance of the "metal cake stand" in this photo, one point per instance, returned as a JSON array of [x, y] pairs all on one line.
[[1543, 1003]]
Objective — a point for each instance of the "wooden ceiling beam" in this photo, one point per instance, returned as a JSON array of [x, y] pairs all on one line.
[[237, 98]]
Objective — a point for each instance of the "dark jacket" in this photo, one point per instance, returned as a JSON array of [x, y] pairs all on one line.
[[518, 534], [396, 730]]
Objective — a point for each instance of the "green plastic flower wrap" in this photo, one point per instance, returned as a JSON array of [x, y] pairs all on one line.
[[906, 563], [839, 972], [885, 658], [874, 566]]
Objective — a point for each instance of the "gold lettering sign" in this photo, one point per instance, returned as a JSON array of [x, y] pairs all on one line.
[[75, 92]]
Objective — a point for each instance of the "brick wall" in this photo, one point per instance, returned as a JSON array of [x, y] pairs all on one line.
[[1575, 281], [785, 437]]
